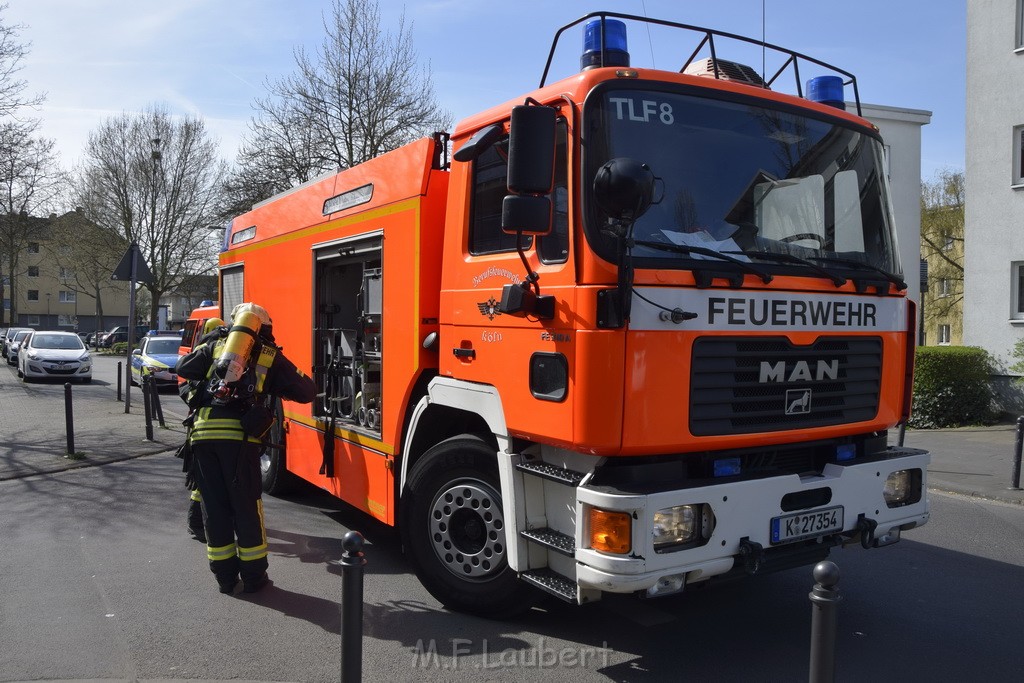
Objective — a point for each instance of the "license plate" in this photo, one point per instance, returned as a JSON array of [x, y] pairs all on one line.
[[800, 525]]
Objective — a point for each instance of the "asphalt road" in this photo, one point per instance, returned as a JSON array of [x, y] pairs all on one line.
[[98, 580]]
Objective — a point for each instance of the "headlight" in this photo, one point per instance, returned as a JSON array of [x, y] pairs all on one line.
[[902, 487], [679, 525], [84, 356], [32, 356]]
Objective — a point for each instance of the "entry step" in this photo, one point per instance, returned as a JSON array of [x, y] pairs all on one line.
[[555, 540], [551, 582], [551, 472]]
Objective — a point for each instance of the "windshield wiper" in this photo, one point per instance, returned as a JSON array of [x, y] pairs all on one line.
[[687, 249], [837, 280], [900, 284]]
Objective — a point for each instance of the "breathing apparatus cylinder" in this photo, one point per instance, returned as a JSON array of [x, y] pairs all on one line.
[[238, 346]]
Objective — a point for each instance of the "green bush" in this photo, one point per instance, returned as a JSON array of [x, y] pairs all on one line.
[[951, 388], [119, 348]]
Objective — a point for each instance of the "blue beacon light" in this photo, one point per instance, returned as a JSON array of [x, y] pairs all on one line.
[[826, 90], [615, 53]]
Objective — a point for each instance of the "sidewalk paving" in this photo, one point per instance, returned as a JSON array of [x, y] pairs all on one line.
[[33, 437], [971, 461]]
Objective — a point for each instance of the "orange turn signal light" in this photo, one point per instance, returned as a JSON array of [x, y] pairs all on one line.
[[610, 531]]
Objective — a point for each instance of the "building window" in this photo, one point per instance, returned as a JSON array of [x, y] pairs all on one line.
[[32, 295], [66, 273], [33, 320], [1017, 298], [64, 320], [1019, 37], [1018, 155], [944, 287], [33, 271], [67, 297], [943, 335], [33, 247]]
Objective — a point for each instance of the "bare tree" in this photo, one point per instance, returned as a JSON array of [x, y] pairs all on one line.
[[12, 53], [942, 242], [157, 179], [362, 94], [16, 172], [29, 183]]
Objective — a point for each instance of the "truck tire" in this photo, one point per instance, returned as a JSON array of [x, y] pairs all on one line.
[[274, 475], [453, 528]]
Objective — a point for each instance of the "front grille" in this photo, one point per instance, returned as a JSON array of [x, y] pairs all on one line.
[[743, 385]]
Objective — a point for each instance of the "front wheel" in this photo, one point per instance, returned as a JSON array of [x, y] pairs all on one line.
[[453, 527], [274, 475]]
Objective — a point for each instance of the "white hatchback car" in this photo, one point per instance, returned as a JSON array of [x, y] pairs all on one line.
[[55, 355]]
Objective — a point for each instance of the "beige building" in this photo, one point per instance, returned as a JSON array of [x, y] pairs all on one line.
[[49, 295]]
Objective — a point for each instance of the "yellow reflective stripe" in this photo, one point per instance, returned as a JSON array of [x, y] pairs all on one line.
[[263, 363], [218, 435], [255, 553], [259, 551], [224, 552], [196, 497]]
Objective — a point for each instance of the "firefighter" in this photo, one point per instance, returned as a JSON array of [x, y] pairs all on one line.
[[213, 329], [240, 374]]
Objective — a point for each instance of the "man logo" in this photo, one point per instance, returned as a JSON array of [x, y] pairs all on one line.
[[798, 401]]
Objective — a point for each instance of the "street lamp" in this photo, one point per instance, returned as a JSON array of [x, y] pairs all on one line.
[[48, 295]]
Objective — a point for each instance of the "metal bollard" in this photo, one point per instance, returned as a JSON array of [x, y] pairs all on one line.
[[1015, 477], [69, 419], [146, 404], [118, 381], [352, 563], [158, 410], [824, 601]]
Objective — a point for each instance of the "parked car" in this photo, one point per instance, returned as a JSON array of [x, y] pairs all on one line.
[[54, 354], [120, 334], [11, 354], [8, 337], [157, 356]]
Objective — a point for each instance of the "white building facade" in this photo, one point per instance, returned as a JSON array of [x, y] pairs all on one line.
[[994, 173], [901, 132]]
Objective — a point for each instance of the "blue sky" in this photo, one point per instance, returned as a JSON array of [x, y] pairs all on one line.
[[98, 58]]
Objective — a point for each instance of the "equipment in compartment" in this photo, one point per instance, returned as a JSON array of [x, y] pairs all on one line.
[[349, 336]]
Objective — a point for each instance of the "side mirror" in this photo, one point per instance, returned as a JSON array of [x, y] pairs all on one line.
[[531, 150], [137, 352], [526, 214], [531, 169], [624, 188]]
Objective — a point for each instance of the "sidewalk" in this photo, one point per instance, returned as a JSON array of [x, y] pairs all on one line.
[[972, 461], [33, 438]]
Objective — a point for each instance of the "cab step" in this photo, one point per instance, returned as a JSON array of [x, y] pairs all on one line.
[[551, 582], [554, 540], [551, 472]]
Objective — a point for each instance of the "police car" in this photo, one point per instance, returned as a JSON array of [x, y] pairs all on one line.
[[157, 357]]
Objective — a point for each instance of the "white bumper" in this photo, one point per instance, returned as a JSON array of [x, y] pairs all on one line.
[[743, 511]]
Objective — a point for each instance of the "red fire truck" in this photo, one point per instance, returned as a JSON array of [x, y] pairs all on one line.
[[645, 328]]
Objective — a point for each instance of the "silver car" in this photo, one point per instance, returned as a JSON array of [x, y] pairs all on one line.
[[13, 342], [60, 355]]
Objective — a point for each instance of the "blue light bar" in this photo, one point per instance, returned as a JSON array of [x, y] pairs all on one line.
[[615, 53], [727, 467], [846, 451], [826, 90]]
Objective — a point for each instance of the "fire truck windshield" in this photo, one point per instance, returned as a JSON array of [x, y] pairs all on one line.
[[742, 178]]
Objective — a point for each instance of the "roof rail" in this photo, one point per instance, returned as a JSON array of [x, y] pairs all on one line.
[[792, 58]]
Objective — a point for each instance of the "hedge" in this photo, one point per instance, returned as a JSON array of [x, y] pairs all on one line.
[[951, 388]]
